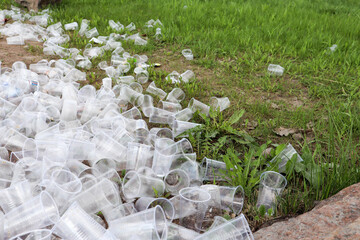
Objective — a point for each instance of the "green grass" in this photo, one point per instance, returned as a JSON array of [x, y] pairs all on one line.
[[233, 42]]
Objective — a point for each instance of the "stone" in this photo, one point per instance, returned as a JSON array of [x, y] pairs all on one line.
[[337, 217], [35, 4]]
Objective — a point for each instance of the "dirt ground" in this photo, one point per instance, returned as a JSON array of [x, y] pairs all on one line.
[[12, 53]]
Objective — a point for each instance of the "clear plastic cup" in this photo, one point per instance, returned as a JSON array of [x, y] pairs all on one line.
[[219, 103], [177, 232], [212, 169], [170, 106], [196, 105], [274, 69], [139, 155], [16, 40], [187, 53], [187, 76], [184, 115], [63, 185], [15, 195], [92, 33], [38, 234], [175, 180], [159, 115], [176, 95], [148, 224], [285, 155], [193, 206], [123, 210], [147, 106], [272, 184], [71, 26], [237, 228], [139, 185], [38, 212], [77, 224], [179, 127], [103, 194], [69, 110], [156, 91], [144, 203]]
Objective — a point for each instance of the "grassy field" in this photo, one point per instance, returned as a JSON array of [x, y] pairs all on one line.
[[233, 43]]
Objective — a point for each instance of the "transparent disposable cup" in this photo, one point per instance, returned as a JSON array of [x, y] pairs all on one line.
[[176, 95], [212, 169], [15, 195], [274, 69], [285, 155], [193, 206], [196, 105], [170, 106], [227, 198], [177, 232], [77, 224], [272, 184], [144, 203], [38, 234], [123, 210], [38, 212], [16, 40], [140, 185], [139, 155], [187, 53], [157, 133], [218, 220], [133, 113], [179, 127], [71, 26], [159, 115], [113, 176], [156, 91], [147, 224], [13, 140], [92, 33], [142, 77], [63, 185], [4, 154], [69, 110], [219, 103], [237, 228], [131, 96], [187, 76], [184, 115], [136, 86], [175, 180], [101, 195], [147, 105]]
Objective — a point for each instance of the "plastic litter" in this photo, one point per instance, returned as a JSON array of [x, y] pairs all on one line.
[[275, 70]]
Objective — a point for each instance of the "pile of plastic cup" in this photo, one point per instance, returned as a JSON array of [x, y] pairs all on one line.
[[81, 163]]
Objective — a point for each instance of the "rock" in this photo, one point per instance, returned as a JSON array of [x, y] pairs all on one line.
[[35, 4], [335, 218]]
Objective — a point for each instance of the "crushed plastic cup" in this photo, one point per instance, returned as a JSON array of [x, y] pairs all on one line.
[[274, 69], [187, 76], [219, 103], [187, 53], [196, 105], [175, 180], [131, 27], [71, 26], [38, 212], [272, 184], [285, 155], [16, 40], [237, 228], [147, 224], [77, 224], [136, 185], [144, 203], [333, 47]]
